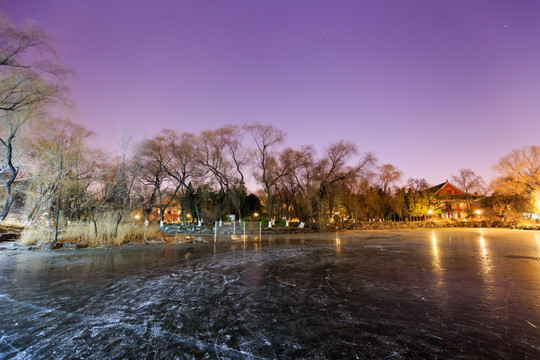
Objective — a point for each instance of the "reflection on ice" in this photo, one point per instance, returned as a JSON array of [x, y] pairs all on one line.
[[486, 262], [418, 294], [337, 244], [435, 253]]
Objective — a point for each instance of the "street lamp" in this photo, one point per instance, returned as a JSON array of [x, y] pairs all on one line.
[[478, 212]]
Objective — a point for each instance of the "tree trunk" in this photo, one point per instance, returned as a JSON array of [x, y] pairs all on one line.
[[57, 215], [269, 206], [14, 172], [7, 203]]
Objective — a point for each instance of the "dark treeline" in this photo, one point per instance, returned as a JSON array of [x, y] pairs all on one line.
[[205, 175], [49, 174]]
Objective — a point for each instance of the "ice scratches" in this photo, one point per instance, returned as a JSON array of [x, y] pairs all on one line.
[[100, 326], [249, 340], [29, 305], [327, 278], [3, 340], [227, 282]]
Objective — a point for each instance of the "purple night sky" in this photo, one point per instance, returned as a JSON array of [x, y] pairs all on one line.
[[429, 86]]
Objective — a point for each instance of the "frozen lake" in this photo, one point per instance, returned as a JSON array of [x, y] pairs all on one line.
[[466, 294]]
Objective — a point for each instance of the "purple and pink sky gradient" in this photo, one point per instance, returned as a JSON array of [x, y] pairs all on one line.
[[429, 86]]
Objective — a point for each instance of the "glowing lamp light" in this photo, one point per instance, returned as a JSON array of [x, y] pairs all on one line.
[[137, 217]]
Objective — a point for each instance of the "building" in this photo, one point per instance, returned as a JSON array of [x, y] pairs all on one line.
[[453, 202], [173, 213]]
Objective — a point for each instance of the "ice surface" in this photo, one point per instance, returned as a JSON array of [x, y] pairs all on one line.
[[412, 294]]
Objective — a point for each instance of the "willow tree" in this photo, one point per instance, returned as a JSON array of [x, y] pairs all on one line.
[[26, 88], [341, 162], [266, 139], [221, 154], [268, 170], [181, 167], [156, 189], [295, 182]]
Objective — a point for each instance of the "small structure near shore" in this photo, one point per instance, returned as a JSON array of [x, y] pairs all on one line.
[[454, 203]]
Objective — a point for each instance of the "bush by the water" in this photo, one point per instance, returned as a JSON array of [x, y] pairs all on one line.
[[83, 233]]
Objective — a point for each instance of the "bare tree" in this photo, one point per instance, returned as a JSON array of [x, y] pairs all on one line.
[[267, 173], [388, 176], [417, 185], [124, 177], [55, 147], [334, 169], [293, 185], [26, 87], [519, 175], [221, 153], [181, 166], [153, 176], [98, 187], [469, 182]]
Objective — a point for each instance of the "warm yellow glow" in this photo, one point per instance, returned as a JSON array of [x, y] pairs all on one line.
[[437, 265], [137, 217], [338, 244], [436, 257], [256, 214], [483, 246], [536, 201], [430, 212], [485, 261]]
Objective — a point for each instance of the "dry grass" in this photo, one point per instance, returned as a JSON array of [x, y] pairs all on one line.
[[83, 233], [36, 236], [12, 224]]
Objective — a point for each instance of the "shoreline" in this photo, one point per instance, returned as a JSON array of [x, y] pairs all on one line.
[[190, 238]]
